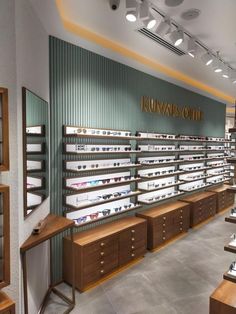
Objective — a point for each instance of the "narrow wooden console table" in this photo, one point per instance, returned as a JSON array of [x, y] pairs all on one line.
[[53, 226]]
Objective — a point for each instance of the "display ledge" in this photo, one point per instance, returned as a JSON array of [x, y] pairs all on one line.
[[144, 191], [196, 179], [231, 219], [184, 151], [138, 138], [197, 170], [106, 217], [171, 174], [103, 168], [102, 153], [195, 189], [231, 160], [219, 166], [73, 208], [232, 130], [162, 199], [229, 277], [110, 137], [219, 174], [100, 186], [229, 248], [180, 162]]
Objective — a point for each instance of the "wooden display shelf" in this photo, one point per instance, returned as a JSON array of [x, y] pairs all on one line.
[[103, 168], [231, 249], [74, 208], [53, 225], [195, 189], [102, 153], [100, 187], [232, 130], [231, 160], [197, 179], [229, 277], [223, 299], [160, 188], [230, 219], [231, 189], [107, 216], [7, 306], [162, 199], [171, 174]]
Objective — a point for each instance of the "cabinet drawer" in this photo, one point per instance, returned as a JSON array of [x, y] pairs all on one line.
[[166, 218], [126, 257], [100, 263], [137, 233], [101, 252], [98, 245]]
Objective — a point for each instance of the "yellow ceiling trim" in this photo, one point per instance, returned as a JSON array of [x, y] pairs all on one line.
[[111, 45]]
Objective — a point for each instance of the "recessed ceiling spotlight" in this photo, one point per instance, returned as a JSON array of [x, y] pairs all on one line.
[[131, 10], [150, 22], [190, 14], [173, 3], [192, 47], [207, 58], [217, 64], [163, 28], [225, 72], [218, 68], [177, 37]]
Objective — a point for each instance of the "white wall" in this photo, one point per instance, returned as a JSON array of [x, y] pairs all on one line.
[[8, 80], [24, 61]]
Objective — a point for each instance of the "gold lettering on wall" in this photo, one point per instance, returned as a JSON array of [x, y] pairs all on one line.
[[151, 105]]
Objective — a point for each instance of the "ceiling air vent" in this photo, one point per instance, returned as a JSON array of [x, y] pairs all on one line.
[[161, 41]]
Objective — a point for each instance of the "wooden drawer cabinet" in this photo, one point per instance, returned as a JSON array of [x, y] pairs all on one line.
[[104, 249], [165, 222], [202, 206], [224, 198], [223, 299]]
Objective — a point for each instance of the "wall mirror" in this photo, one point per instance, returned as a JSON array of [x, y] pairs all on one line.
[[4, 136], [35, 150]]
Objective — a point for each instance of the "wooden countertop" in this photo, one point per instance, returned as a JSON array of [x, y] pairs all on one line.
[[102, 231], [54, 225], [197, 196], [218, 189], [162, 209], [225, 293]]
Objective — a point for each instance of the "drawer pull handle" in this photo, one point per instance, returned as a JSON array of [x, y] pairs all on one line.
[[102, 253], [132, 239], [164, 218], [133, 231], [180, 229], [164, 225], [102, 244], [102, 262], [181, 222], [163, 238], [164, 231], [181, 217], [132, 247], [101, 271], [132, 254]]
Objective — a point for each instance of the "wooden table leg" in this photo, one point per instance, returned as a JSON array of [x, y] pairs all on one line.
[[23, 260], [73, 265]]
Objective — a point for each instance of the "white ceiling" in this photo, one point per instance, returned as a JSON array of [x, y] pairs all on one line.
[[215, 27]]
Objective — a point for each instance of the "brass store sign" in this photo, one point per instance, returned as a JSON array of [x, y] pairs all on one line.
[[149, 104]]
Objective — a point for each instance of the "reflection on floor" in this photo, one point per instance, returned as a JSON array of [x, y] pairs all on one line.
[[176, 280]]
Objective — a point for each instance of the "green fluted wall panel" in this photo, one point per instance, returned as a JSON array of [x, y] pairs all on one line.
[[90, 90]]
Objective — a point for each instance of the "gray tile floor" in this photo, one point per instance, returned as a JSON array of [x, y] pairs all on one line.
[[176, 280]]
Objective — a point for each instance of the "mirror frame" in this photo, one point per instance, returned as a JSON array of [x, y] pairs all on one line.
[[4, 189], [24, 144], [5, 165]]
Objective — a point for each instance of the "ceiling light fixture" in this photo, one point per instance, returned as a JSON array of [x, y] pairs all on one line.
[[150, 22], [225, 72], [177, 37], [143, 10], [207, 58], [131, 10], [192, 47], [163, 28], [217, 65]]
